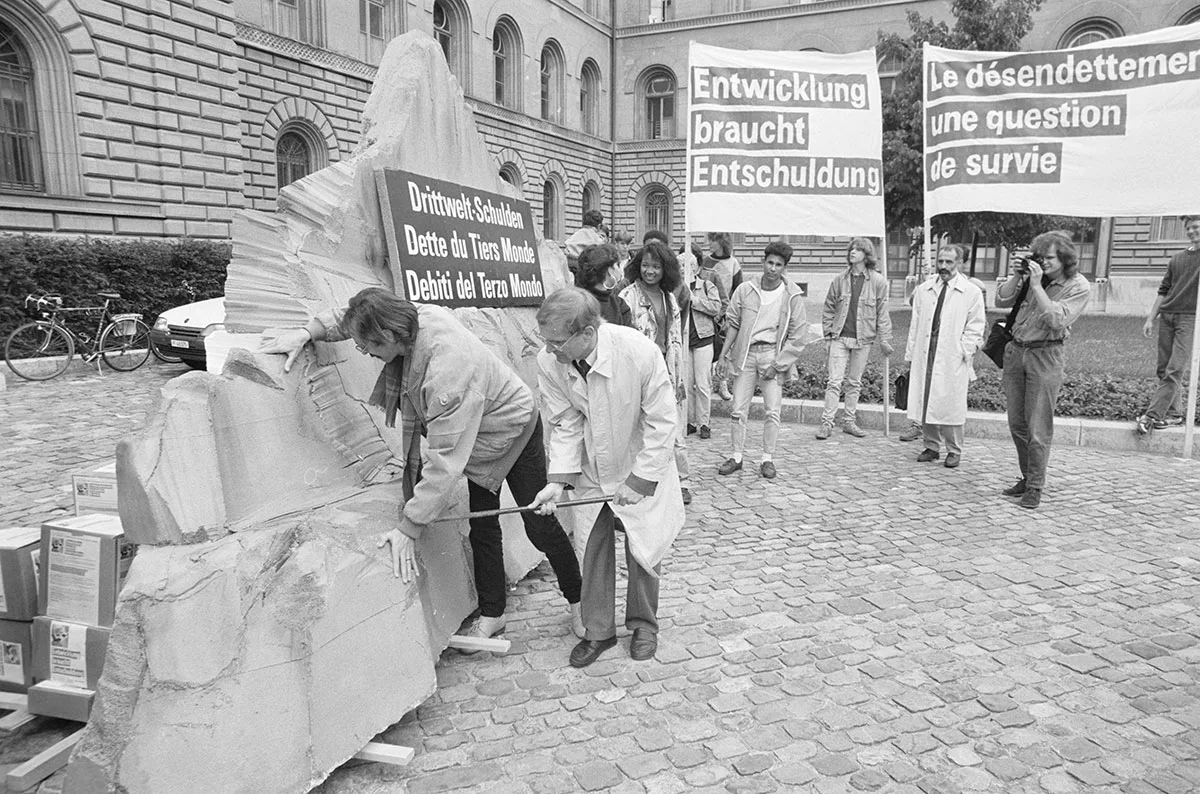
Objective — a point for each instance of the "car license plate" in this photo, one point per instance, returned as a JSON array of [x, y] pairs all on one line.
[[178, 343]]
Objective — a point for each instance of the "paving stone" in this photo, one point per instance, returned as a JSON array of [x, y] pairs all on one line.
[[834, 764]]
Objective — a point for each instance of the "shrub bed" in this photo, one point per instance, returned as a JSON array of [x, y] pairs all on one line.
[[1084, 395], [150, 275]]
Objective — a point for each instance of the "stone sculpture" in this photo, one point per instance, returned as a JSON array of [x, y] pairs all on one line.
[[261, 639]]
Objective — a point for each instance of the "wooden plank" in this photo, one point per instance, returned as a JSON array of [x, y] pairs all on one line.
[[382, 753], [13, 701], [42, 765], [479, 644], [15, 720]]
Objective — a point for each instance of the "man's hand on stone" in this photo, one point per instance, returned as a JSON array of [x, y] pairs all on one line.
[[544, 503], [404, 554], [289, 341], [627, 496]]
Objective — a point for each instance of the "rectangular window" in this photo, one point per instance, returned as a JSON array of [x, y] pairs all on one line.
[[370, 18], [303, 20], [1168, 228]]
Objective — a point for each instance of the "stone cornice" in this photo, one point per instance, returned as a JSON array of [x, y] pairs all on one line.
[[501, 113], [659, 145], [755, 15], [306, 53]]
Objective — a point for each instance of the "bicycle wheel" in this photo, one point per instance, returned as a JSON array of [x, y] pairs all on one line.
[[164, 355], [38, 351], [125, 344]]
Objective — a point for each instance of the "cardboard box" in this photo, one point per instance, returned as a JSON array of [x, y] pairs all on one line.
[[96, 490], [54, 700], [84, 562], [19, 553], [70, 654], [16, 655]]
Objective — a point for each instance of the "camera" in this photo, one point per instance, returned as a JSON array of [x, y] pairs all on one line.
[[1022, 265]]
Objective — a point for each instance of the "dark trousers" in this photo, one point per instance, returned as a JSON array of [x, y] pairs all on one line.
[[1174, 356], [599, 605], [525, 479], [1032, 378]]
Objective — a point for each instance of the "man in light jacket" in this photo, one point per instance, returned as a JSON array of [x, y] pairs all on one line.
[[479, 420], [948, 324], [766, 331], [612, 416]]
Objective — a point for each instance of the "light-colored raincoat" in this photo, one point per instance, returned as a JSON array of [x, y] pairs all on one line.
[[960, 334]]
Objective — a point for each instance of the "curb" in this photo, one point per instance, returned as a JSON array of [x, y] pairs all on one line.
[[1069, 431]]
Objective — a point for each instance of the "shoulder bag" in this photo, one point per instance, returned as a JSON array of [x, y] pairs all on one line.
[[1001, 333]]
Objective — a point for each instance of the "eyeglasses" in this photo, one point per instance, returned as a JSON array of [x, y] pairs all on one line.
[[556, 347]]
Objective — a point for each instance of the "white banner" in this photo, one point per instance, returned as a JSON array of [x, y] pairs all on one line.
[[1112, 128], [784, 142]]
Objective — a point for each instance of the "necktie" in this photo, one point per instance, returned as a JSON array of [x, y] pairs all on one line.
[[582, 367], [934, 330]]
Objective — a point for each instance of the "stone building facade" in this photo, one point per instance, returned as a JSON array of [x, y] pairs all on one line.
[[165, 117]]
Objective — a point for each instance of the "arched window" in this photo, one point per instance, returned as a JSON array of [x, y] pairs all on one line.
[[293, 158], [551, 211], [658, 90], [20, 145], [506, 60], [552, 81], [890, 65], [591, 196], [1089, 31], [589, 98], [1190, 17], [451, 26], [656, 210], [512, 175]]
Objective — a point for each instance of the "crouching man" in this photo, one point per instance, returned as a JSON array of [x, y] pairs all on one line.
[[479, 419], [611, 410]]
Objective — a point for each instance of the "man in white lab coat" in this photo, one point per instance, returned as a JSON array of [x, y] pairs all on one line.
[[611, 412]]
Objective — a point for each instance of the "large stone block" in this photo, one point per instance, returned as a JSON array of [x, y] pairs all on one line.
[[261, 638]]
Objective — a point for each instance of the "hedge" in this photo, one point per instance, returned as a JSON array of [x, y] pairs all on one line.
[[150, 275], [1085, 395]]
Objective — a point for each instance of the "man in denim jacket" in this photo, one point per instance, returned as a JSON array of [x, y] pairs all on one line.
[[766, 332]]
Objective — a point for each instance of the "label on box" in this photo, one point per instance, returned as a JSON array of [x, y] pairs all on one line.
[[68, 654], [12, 666], [73, 583]]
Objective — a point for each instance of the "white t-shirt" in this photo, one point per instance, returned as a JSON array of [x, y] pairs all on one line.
[[766, 325]]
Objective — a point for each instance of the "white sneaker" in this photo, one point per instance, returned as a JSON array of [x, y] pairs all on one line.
[[483, 627], [577, 620]]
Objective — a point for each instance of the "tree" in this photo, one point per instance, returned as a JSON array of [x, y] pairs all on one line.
[[990, 25]]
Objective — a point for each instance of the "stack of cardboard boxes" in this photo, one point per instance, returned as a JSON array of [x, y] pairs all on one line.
[[19, 551], [84, 561]]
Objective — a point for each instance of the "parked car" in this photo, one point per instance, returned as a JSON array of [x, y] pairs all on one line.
[[180, 332]]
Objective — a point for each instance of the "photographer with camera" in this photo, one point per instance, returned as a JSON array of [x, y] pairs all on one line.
[[1050, 294]]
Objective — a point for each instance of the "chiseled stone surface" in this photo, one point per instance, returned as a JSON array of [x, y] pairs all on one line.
[[275, 642]]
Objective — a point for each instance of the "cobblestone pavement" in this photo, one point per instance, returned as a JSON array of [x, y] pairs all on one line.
[[862, 623]]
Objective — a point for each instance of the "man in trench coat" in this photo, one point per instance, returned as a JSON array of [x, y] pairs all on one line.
[[611, 411], [948, 324]]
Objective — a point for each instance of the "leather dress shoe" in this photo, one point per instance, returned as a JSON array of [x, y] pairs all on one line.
[[767, 469], [1031, 498], [643, 645], [729, 466], [705, 431], [952, 460], [1016, 489], [927, 455], [588, 651]]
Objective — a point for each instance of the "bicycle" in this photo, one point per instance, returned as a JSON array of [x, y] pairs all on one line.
[[43, 349]]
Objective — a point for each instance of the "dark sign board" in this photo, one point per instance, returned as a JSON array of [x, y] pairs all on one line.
[[458, 246]]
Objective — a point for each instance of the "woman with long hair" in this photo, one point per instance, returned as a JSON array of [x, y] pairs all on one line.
[[653, 276]]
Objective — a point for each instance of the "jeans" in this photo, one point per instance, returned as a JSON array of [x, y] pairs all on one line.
[[525, 479], [1032, 378], [700, 395], [758, 371], [1174, 356], [599, 605], [841, 354]]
